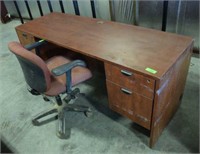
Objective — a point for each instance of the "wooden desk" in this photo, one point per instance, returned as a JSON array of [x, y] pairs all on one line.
[[149, 99]]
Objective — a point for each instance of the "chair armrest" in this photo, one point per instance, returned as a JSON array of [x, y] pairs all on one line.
[[34, 45], [66, 67]]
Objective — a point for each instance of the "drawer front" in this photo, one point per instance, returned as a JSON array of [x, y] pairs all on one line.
[[130, 104], [25, 38], [133, 81]]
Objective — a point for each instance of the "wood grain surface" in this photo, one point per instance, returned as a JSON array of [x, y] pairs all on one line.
[[126, 45]]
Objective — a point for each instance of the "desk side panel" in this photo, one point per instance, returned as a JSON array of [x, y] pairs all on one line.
[[168, 95], [25, 38]]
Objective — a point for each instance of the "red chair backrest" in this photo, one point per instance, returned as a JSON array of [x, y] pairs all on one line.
[[35, 71]]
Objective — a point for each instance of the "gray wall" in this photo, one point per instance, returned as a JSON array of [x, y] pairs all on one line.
[[182, 17]]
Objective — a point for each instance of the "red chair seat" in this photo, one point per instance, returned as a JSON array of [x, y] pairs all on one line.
[[58, 83]]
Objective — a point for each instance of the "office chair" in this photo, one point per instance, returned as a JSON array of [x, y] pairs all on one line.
[[50, 79]]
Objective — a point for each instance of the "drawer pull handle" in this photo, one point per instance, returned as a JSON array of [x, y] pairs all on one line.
[[126, 73], [24, 35], [126, 91]]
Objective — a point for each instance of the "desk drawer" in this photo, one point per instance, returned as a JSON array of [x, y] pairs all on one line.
[[130, 104], [133, 81], [25, 38]]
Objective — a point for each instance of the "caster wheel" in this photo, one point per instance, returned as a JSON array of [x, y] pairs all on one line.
[[46, 99], [35, 123], [88, 113], [82, 94], [33, 91], [63, 135]]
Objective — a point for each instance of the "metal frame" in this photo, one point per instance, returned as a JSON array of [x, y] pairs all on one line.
[[50, 6], [77, 11], [93, 8], [40, 8], [61, 6], [18, 11], [76, 8], [164, 17], [28, 9]]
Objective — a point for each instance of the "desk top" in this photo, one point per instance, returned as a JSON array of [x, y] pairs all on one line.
[[133, 47]]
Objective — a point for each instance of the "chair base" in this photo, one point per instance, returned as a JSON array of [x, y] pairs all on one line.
[[59, 112]]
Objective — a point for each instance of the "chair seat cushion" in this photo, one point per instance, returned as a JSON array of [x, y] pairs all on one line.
[[58, 83]]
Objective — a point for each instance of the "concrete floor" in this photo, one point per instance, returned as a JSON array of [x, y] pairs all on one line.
[[104, 132]]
